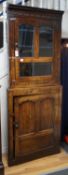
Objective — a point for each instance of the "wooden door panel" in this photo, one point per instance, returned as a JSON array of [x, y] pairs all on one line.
[[34, 115]]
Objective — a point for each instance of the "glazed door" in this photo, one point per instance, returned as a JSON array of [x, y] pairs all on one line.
[[34, 124], [35, 43]]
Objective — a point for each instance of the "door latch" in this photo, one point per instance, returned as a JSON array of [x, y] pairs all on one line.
[[16, 124]]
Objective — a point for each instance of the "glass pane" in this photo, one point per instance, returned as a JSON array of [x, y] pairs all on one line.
[[26, 41], [35, 69], [46, 41]]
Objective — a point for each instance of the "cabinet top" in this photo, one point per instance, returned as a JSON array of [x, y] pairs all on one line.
[[19, 8]]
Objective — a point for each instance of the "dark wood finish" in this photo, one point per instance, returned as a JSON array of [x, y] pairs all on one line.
[[1, 164], [34, 98]]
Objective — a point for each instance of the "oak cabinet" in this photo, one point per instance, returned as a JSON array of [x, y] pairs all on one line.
[[34, 96]]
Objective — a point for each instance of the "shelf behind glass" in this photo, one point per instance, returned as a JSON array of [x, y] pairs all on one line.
[[35, 69], [45, 41], [26, 40]]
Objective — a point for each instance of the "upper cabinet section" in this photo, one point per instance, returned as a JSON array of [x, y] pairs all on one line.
[[34, 45]]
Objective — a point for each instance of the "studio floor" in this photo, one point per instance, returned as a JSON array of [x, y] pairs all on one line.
[[38, 166]]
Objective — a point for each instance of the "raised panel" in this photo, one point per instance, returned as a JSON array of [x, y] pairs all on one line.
[[25, 117], [34, 143], [47, 113], [25, 113]]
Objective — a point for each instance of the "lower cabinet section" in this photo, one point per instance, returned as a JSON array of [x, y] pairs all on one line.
[[34, 122]]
